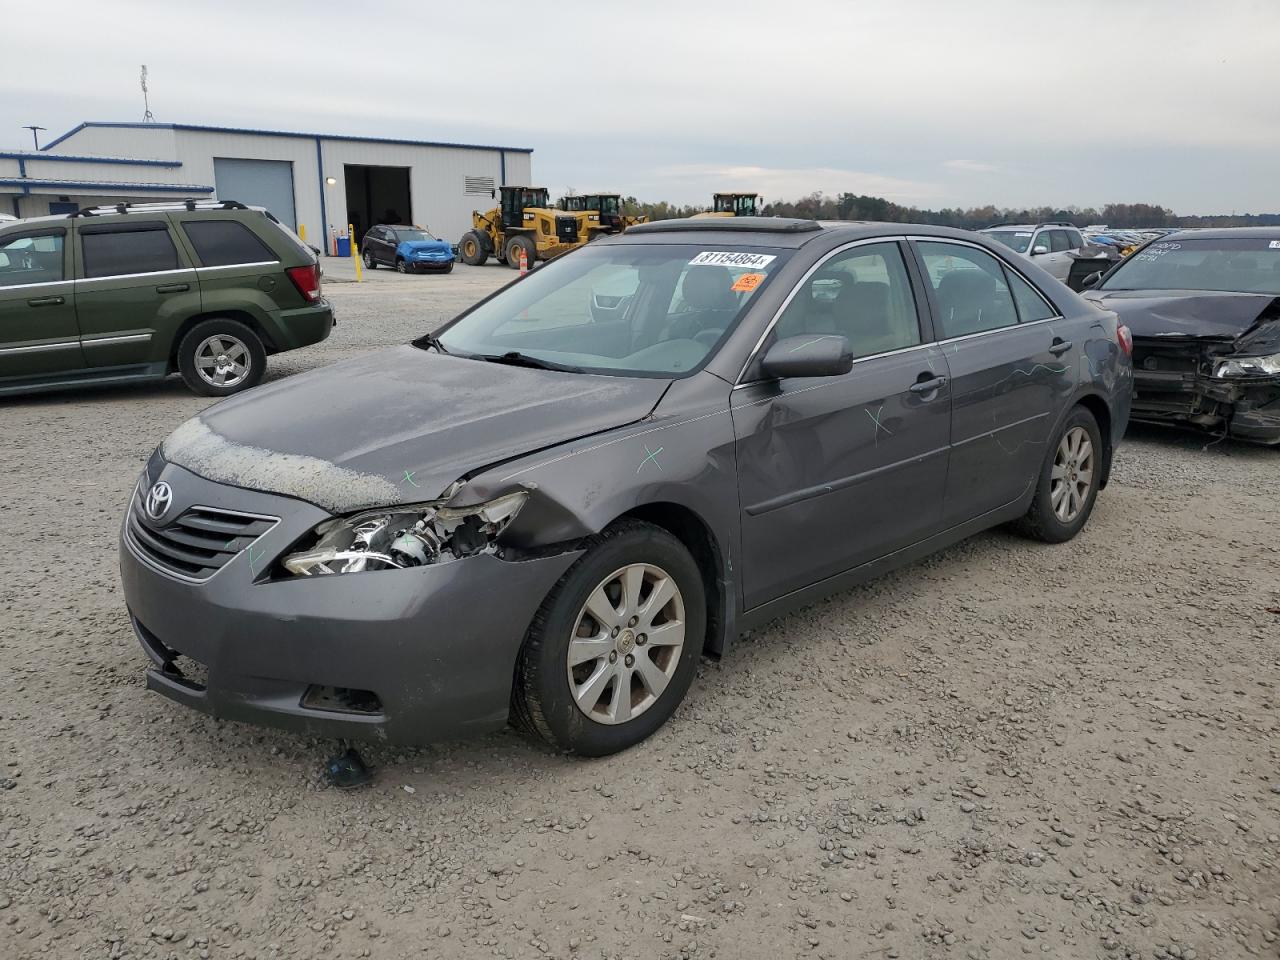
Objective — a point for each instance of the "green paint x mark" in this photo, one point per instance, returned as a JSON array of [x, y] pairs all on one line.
[[253, 562], [809, 344], [408, 478], [652, 455]]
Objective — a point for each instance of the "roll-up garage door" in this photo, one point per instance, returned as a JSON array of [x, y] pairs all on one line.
[[258, 183]]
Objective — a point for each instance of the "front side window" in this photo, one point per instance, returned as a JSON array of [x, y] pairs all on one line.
[[141, 249], [970, 289], [28, 258], [1228, 264], [632, 309], [1016, 240], [220, 243], [862, 294]]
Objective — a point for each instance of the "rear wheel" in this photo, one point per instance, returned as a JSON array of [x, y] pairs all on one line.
[[515, 245], [1068, 484], [472, 249], [220, 357], [614, 648], [369, 262]]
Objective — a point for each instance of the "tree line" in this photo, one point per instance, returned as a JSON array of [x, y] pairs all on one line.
[[851, 206]]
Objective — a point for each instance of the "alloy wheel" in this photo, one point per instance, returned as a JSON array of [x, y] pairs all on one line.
[[1072, 475], [223, 360], [626, 643]]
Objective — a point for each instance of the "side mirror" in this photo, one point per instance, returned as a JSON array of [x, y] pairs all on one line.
[[815, 355], [1091, 281], [1038, 249]]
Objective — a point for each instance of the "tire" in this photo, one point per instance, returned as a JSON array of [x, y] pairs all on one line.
[[543, 698], [448, 269], [1062, 503], [401, 266], [202, 346], [473, 250], [515, 245], [369, 262]]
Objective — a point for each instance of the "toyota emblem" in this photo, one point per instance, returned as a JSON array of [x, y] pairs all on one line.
[[159, 498]]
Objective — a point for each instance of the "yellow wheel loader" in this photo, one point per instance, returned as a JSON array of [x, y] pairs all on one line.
[[523, 220], [734, 205], [604, 211]]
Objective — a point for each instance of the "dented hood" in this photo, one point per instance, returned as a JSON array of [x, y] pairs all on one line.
[[398, 425], [1184, 313]]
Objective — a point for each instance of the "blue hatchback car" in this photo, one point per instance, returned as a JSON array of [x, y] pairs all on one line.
[[407, 249]]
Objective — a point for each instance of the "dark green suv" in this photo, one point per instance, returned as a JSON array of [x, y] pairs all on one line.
[[139, 291]]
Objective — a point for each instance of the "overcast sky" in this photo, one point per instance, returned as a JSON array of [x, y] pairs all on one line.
[[936, 104]]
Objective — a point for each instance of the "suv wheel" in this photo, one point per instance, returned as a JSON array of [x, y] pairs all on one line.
[[369, 262], [614, 647], [1068, 484], [220, 357]]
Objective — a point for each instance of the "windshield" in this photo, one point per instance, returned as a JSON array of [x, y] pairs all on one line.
[[632, 309], [1236, 265], [1016, 240], [402, 235]]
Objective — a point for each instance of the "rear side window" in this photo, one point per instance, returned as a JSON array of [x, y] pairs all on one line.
[[1076, 240], [27, 258], [970, 289], [109, 253], [1031, 306], [221, 243], [1059, 241]]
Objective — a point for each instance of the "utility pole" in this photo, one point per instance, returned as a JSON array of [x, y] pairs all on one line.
[[147, 115], [35, 135]]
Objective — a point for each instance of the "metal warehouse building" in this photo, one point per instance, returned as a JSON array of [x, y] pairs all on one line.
[[315, 182]]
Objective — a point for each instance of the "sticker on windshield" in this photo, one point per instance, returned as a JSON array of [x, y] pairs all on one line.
[[731, 259], [1274, 245], [1019, 233], [747, 282]]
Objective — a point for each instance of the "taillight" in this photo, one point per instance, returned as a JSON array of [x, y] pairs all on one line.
[[1125, 336], [307, 280]]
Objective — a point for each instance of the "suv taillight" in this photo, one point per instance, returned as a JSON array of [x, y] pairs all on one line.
[[1125, 336], [307, 280]]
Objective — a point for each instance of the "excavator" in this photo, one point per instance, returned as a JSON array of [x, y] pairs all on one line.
[[523, 220]]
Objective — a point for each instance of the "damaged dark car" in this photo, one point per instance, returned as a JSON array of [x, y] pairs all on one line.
[[550, 510], [1204, 309]]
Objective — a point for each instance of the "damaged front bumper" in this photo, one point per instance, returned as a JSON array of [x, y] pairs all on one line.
[[1175, 383], [402, 655]]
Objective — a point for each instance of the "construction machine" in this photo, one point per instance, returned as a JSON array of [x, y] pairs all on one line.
[[604, 212], [523, 220], [733, 205]]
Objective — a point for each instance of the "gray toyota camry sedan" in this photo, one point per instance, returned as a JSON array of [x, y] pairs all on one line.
[[549, 510]]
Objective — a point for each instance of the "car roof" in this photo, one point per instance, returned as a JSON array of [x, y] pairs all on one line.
[[1225, 233], [783, 232], [1010, 226]]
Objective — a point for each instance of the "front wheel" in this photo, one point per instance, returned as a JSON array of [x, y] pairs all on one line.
[[613, 649], [220, 357], [401, 266], [369, 262], [1068, 483], [515, 245]]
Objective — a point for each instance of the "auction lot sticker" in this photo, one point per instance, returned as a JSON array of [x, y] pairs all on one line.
[[752, 261], [747, 282]]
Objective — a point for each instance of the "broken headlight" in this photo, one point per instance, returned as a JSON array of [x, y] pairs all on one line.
[[1248, 367], [400, 537]]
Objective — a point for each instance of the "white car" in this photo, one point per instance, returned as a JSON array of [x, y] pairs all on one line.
[[1048, 244], [7, 216]]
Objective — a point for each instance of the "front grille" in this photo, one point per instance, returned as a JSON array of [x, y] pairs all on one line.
[[567, 229], [199, 542]]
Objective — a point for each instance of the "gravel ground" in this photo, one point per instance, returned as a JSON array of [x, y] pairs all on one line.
[[1005, 750]]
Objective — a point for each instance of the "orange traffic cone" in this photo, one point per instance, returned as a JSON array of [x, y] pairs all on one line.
[[524, 262]]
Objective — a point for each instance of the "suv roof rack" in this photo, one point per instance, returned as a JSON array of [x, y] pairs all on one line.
[[728, 225], [1033, 226], [158, 207]]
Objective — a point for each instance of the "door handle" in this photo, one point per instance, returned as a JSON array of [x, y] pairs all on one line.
[[928, 386], [1059, 346], [46, 301], [173, 287]]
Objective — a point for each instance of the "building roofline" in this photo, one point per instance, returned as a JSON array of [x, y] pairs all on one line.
[[72, 158], [73, 186], [277, 133]]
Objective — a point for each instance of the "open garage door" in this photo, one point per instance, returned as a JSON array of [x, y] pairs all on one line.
[[377, 195], [258, 183]]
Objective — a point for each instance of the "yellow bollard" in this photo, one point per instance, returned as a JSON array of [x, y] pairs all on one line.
[[355, 254]]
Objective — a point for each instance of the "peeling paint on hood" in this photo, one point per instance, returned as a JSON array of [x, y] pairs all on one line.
[[398, 425], [194, 446]]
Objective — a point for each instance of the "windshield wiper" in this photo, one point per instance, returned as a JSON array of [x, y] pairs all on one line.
[[517, 359], [430, 340]]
